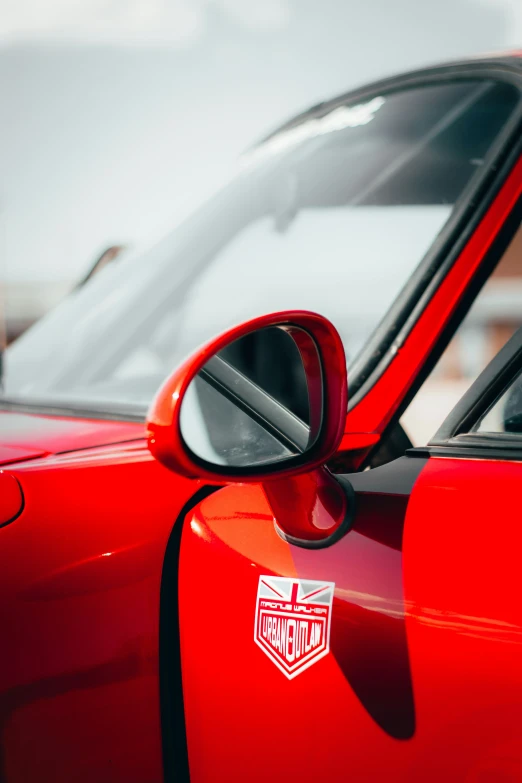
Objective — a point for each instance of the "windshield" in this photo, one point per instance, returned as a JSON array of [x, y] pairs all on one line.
[[332, 215]]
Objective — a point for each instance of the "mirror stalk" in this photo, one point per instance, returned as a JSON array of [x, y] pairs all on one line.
[[311, 510]]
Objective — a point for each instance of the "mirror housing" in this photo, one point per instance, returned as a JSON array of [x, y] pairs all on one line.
[[322, 355]]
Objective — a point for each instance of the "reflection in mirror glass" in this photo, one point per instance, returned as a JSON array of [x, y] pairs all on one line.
[[250, 404]]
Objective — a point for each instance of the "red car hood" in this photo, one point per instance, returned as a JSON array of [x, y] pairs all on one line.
[[25, 436]]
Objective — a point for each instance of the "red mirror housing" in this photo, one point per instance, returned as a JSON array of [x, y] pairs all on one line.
[[163, 421]]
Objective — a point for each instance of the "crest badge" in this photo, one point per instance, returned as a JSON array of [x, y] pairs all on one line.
[[292, 624]]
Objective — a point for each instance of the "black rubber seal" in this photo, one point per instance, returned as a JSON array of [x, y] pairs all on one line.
[[173, 729]]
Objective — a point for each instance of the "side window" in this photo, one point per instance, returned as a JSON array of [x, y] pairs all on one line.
[[493, 318], [505, 415]]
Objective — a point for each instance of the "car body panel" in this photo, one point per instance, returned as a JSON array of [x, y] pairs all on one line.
[[18, 454], [423, 679], [320, 725], [39, 433], [461, 554], [79, 605]]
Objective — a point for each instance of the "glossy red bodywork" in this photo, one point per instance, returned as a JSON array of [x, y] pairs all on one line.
[[31, 435], [310, 506], [424, 677], [79, 608], [462, 544], [15, 454], [320, 725], [163, 419]]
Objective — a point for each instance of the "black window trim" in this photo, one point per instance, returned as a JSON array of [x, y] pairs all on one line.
[[494, 255], [455, 439], [473, 204]]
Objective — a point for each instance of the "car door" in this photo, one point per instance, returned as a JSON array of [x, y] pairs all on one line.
[[351, 710], [423, 678], [461, 555]]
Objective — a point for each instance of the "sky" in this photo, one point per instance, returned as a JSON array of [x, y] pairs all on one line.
[[119, 116]]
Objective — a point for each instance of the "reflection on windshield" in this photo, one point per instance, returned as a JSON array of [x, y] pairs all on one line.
[[336, 120], [335, 222]]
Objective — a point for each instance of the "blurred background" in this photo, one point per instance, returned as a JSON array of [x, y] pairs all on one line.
[[121, 116]]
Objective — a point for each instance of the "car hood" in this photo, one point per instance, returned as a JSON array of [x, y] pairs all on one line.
[[26, 435]]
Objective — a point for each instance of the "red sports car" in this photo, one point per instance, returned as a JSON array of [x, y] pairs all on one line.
[[250, 575]]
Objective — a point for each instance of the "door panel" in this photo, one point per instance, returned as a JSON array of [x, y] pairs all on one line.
[[245, 720], [424, 676], [462, 548]]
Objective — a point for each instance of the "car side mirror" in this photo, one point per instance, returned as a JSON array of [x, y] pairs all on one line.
[[264, 402], [265, 399]]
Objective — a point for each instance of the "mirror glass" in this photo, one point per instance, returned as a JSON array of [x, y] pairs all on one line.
[[256, 402]]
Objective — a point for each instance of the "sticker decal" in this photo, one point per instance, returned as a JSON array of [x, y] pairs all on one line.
[[292, 624]]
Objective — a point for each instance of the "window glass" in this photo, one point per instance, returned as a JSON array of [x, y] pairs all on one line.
[[333, 215], [493, 318], [506, 414]]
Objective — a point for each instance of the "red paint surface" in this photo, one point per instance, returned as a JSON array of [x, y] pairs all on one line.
[[79, 609], [15, 454], [462, 548], [309, 507], [38, 433], [424, 677], [320, 725]]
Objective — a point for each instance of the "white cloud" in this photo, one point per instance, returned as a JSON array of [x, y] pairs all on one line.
[[129, 21]]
